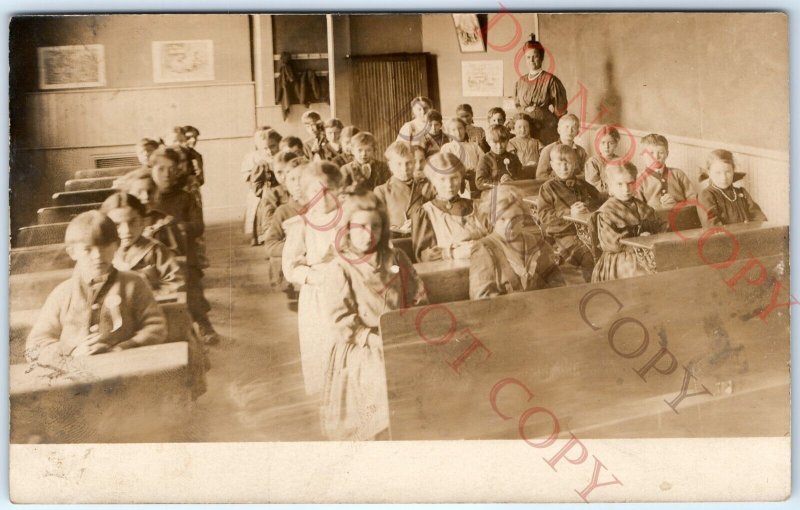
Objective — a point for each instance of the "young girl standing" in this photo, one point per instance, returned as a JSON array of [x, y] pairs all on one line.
[[255, 171], [621, 216], [723, 202], [366, 279], [309, 241]]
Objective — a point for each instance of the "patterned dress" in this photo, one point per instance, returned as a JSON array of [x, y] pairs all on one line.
[[355, 295], [722, 210], [527, 150], [538, 94], [616, 221]]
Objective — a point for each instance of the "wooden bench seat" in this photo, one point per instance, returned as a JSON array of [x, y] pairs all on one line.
[[93, 173], [62, 213], [38, 235], [445, 280], [540, 339], [90, 184], [82, 197], [39, 258]]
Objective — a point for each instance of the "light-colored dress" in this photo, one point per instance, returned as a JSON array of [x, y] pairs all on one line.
[[468, 152], [440, 224], [355, 401], [309, 247], [413, 132]]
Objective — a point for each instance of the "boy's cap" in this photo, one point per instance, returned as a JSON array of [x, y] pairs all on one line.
[[92, 228]]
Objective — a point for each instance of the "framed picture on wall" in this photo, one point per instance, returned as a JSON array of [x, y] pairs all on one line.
[[178, 61], [70, 67], [470, 32]]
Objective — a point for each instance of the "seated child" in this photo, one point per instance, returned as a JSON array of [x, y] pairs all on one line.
[[276, 195], [496, 116], [333, 133], [512, 258], [568, 127], [275, 236], [158, 225], [435, 137], [595, 168], [564, 194], [724, 203], [420, 181], [99, 309], [658, 185], [526, 148], [473, 133], [346, 154], [447, 226], [174, 201], [310, 245], [255, 172], [144, 148], [498, 165], [293, 144], [622, 215], [315, 148], [400, 195], [364, 172], [468, 152], [152, 260], [414, 131], [354, 295]]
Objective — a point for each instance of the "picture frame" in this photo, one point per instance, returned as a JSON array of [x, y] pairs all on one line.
[[183, 61], [71, 67], [471, 32]]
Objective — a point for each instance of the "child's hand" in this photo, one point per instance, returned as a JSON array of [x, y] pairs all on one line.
[[578, 208], [644, 234], [92, 344], [463, 250], [667, 200], [405, 228], [505, 178]]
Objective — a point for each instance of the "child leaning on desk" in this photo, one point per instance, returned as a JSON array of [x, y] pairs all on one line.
[[99, 309], [623, 215]]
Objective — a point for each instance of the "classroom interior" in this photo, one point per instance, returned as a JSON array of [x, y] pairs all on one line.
[[706, 81]]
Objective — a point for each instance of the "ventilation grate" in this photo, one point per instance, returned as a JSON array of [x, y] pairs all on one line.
[[115, 160]]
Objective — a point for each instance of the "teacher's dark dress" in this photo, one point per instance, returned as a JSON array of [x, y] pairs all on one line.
[[542, 92]]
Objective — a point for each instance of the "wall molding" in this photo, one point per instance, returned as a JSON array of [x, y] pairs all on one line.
[[122, 146], [133, 89]]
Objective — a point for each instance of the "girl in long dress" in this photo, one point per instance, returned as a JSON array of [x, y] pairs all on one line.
[[366, 278], [725, 203], [514, 257], [622, 215], [541, 95], [310, 238]]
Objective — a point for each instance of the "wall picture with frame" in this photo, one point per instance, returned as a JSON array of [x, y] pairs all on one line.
[[471, 32]]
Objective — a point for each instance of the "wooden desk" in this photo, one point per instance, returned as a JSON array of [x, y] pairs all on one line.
[[39, 258], [92, 173], [63, 213], [137, 395], [445, 280], [675, 250], [540, 339], [38, 235], [82, 197], [92, 183]]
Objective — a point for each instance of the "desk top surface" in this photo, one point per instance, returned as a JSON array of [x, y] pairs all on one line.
[[441, 265], [648, 242]]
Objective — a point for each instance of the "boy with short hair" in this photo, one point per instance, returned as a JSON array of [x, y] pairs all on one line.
[[364, 172], [99, 309], [435, 138], [346, 154], [568, 127], [498, 165], [564, 194], [658, 185], [400, 194], [174, 201], [292, 144]]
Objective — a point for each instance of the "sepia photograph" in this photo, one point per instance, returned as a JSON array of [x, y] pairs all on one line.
[[330, 257]]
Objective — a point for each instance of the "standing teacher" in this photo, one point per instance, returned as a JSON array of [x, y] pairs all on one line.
[[540, 94]]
